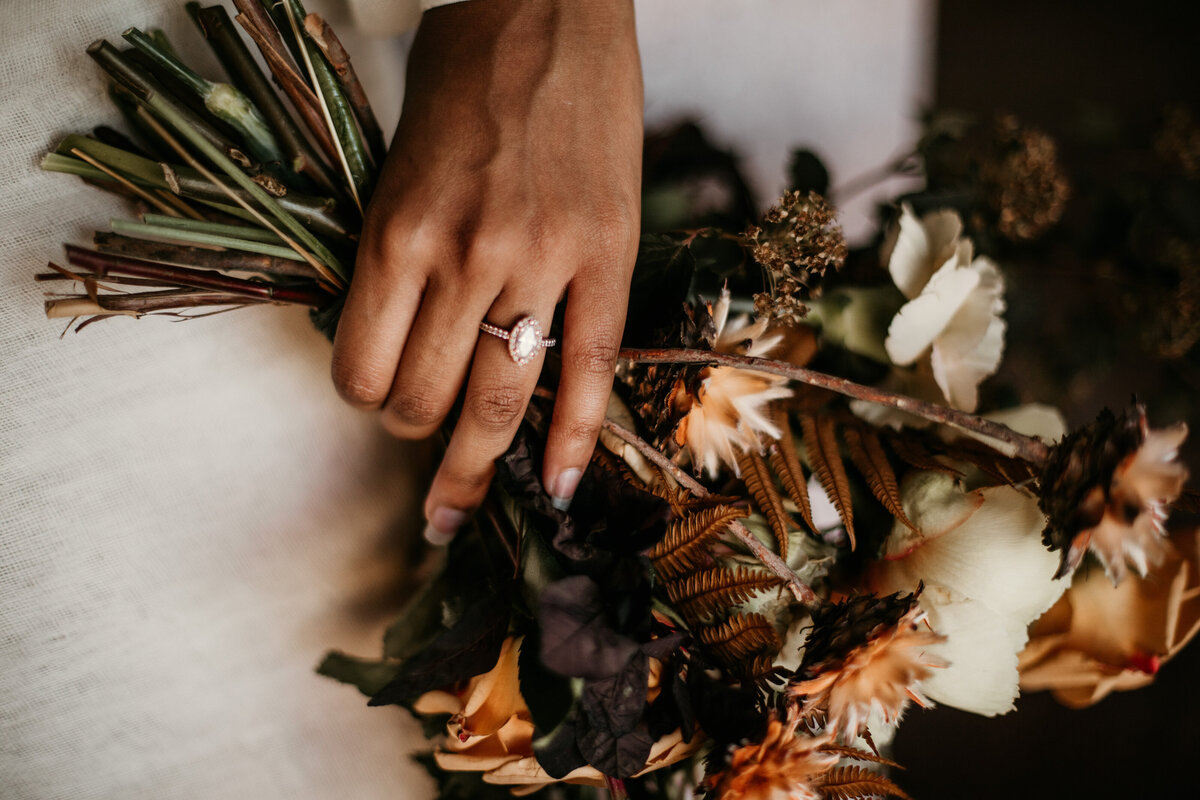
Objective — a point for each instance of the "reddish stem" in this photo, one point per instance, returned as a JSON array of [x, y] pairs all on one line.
[[103, 264]]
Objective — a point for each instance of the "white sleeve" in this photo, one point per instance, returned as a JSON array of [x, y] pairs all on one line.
[[389, 17]]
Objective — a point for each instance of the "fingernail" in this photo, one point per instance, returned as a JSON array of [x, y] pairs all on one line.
[[443, 524], [563, 486]]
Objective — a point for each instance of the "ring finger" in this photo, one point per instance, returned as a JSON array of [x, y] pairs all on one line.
[[498, 391]]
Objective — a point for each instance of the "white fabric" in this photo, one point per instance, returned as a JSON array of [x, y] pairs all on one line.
[[189, 517]]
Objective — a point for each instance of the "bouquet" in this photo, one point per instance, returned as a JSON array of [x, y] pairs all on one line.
[[795, 525]]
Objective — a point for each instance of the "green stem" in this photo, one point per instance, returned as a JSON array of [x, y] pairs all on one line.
[[222, 100], [233, 54], [145, 229], [336, 108], [140, 84], [220, 260], [167, 111], [244, 232]]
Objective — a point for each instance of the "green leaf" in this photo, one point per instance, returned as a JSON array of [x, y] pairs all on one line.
[[369, 675]]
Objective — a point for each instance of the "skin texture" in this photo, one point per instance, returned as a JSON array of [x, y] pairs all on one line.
[[512, 184]]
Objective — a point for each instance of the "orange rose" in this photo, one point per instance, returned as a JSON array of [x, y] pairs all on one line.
[[1101, 638], [491, 731]]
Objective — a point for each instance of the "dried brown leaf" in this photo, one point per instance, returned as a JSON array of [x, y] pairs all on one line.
[[715, 591], [857, 783], [787, 465], [820, 443], [914, 451], [684, 547], [868, 455], [756, 475], [740, 640], [846, 751]]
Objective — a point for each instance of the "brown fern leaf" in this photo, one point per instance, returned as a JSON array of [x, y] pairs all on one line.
[[846, 751], [856, 783], [820, 443], [614, 464], [867, 453], [683, 548], [714, 591], [741, 638], [915, 453], [787, 466], [1002, 469], [761, 485]]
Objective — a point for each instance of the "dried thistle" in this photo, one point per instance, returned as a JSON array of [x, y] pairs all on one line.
[[797, 242], [1022, 180], [1106, 487], [783, 764], [866, 654]]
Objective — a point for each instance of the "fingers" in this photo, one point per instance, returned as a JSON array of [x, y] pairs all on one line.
[[436, 357], [380, 307], [497, 394], [594, 319]]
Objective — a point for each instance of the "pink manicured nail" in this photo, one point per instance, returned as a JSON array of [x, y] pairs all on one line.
[[563, 486], [443, 524]]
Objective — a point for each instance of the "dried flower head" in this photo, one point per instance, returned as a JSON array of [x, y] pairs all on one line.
[[798, 240], [1178, 143], [866, 654], [783, 765], [1022, 180], [1106, 487], [727, 412]]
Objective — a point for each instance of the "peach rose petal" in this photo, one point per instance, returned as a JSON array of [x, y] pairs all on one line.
[[1101, 638]]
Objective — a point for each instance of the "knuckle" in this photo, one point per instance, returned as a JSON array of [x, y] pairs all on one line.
[[411, 412], [497, 408], [595, 358], [356, 386], [467, 487], [578, 433]]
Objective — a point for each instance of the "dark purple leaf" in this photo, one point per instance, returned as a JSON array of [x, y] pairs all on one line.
[[619, 756], [558, 753], [577, 639], [468, 649], [616, 704]]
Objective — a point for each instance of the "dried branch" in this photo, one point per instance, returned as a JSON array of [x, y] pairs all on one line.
[[1025, 447], [802, 592]]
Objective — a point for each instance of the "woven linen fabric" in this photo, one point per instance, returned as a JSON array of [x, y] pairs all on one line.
[[189, 517]]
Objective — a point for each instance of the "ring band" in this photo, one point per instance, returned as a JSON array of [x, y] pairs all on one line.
[[524, 339]]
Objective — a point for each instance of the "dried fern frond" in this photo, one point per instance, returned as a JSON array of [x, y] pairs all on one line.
[[1004, 470], [756, 475], [848, 751], [715, 591], [820, 443], [740, 638], [857, 783], [787, 466], [915, 452], [683, 548], [612, 463], [868, 455]]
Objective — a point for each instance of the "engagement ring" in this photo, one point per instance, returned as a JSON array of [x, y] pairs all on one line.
[[524, 340]]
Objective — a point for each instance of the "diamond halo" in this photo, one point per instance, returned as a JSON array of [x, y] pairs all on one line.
[[524, 339]]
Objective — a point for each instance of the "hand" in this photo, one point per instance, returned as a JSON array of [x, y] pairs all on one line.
[[513, 179]]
